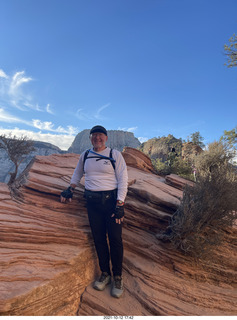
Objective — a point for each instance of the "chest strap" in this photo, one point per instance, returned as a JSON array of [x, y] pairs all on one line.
[[99, 157]]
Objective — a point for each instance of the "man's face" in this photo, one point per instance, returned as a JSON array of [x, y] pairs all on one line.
[[98, 140]]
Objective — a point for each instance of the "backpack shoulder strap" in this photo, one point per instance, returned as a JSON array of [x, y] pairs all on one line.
[[111, 156], [85, 157]]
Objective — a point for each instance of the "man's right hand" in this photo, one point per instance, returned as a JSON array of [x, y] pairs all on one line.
[[67, 195]]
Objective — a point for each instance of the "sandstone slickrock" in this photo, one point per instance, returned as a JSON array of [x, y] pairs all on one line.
[[137, 159], [48, 262], [177, 182]]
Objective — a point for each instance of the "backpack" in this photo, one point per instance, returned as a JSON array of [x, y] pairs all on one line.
[[99, 157]]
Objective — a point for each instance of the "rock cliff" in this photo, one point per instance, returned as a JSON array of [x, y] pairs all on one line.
[[48, 262], [117, 139], [190, 150], [161, 146]]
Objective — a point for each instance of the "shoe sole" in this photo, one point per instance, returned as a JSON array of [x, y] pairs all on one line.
[[101, 289], [117, 296]]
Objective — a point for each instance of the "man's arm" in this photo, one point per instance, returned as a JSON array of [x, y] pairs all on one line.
[[78, 172], [122, 178]]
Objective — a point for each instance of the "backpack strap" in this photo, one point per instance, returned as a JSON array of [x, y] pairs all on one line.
[[111, 157], [99, 157], [85, 157]]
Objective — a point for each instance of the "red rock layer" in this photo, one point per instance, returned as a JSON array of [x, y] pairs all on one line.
[[48, 262]]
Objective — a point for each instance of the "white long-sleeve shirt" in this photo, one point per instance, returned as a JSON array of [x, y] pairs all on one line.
[[100, 175]]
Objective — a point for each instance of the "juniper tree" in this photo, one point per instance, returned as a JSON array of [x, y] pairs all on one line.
[[17, 149], [231, 51], [197, 139], [230, 137]]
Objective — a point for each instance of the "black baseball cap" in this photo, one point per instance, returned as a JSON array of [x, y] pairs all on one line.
[[98, 129]]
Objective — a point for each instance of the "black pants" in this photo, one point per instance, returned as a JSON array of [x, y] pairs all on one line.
[[100, 210]]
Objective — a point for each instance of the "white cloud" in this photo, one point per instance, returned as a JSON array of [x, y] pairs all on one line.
[[82, 115], [49, 126], [17, 97], [72, 130], [13, 95], [63, 141], [7, 117], [98, 113], [86, 116], [132, 129], [3, 74], [36, 123], [48, 109], [17, 80], [142, 139]]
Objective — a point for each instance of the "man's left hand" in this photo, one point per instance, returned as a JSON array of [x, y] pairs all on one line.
[[118, 214]]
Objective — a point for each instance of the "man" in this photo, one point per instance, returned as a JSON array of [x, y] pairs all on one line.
[[106, 183]]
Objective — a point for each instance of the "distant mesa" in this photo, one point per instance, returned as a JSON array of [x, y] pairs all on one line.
[[117, 139]]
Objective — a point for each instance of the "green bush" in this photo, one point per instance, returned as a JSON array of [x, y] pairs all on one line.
[[162, 168], [182, 168], [178, 166], [208, 208]]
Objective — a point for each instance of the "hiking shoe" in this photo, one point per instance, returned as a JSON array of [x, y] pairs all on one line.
[[117, 288], [104, 279]]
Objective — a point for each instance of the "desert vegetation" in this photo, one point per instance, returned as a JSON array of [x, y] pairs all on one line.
[[209, 208], [231, 51], [17, 149], [172, 155]]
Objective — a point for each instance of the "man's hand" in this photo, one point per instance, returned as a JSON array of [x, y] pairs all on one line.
[[67, 195], [118, 214]]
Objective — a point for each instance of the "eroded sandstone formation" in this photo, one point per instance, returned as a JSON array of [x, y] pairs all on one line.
[[48, 262], [117, 139]]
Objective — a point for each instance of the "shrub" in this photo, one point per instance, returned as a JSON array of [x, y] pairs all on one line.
[[207, 208], [162, 168], [182, 168], [178, 166]]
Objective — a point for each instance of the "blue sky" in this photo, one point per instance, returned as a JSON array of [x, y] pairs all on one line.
[[153, 67]]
